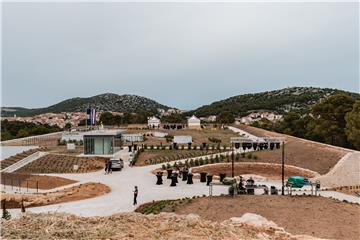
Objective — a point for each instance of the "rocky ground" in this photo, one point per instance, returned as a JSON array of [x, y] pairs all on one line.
[[138, 226]]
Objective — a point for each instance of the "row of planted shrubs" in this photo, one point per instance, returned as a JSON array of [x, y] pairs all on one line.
[[183, 147], [204, 161], [178, 156]]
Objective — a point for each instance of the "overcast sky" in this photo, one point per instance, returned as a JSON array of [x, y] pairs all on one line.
[[180, 54]]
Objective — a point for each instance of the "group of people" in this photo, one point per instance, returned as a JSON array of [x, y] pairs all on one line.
[[108, 167]]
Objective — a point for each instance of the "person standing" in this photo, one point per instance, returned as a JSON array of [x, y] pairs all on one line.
[[135, 195]]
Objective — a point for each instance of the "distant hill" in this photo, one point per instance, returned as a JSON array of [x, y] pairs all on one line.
[[103, 102], [298, 99]]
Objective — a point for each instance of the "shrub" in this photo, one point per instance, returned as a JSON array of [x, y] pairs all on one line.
[[191, 162], [255, 157], [214, 140], [197, 162], [249, 155], [201, 161], [187, 163]]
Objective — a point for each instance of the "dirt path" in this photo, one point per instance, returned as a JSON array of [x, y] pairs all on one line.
[[315, 216]]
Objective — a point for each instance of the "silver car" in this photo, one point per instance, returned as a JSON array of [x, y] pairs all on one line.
[[117, 164]]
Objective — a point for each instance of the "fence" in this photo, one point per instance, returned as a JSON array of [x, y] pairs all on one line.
[[20, 185]]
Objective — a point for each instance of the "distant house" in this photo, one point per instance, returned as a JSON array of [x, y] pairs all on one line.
[[194, 122], [153, 122], [133, 137], [182, 139]]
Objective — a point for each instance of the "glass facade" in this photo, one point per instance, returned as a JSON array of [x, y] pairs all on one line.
[[98, 145]]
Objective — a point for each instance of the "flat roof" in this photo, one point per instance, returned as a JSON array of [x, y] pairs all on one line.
[[104, 132]]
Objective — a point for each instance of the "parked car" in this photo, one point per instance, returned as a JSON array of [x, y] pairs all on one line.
[[117, 164]]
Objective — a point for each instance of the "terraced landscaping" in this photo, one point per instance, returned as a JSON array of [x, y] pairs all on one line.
[[16, 158], [53, 163]]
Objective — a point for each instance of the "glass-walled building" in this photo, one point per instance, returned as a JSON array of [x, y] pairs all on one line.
[[101, 142]]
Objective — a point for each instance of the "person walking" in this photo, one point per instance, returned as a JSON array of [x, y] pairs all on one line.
[[135, 195], [110, 167], [106, 166]]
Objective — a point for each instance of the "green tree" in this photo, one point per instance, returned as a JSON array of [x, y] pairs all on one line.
[[353, 125], [22, 133], [67, 126], [106, 118], [225, 118], [330, 119]]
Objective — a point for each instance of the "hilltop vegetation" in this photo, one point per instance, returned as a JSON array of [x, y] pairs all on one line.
[[335, 121], [295, 99], [16, 129], [103, 102]]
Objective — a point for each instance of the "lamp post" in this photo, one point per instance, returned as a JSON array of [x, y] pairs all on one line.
[[232, 159], [282, 167]]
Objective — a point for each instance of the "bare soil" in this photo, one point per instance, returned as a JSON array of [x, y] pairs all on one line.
[[311, 155], [33, 181], [82, 191], [316, 216]]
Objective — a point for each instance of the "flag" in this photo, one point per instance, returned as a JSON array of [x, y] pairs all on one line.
[[93, 116], [88, 116]]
